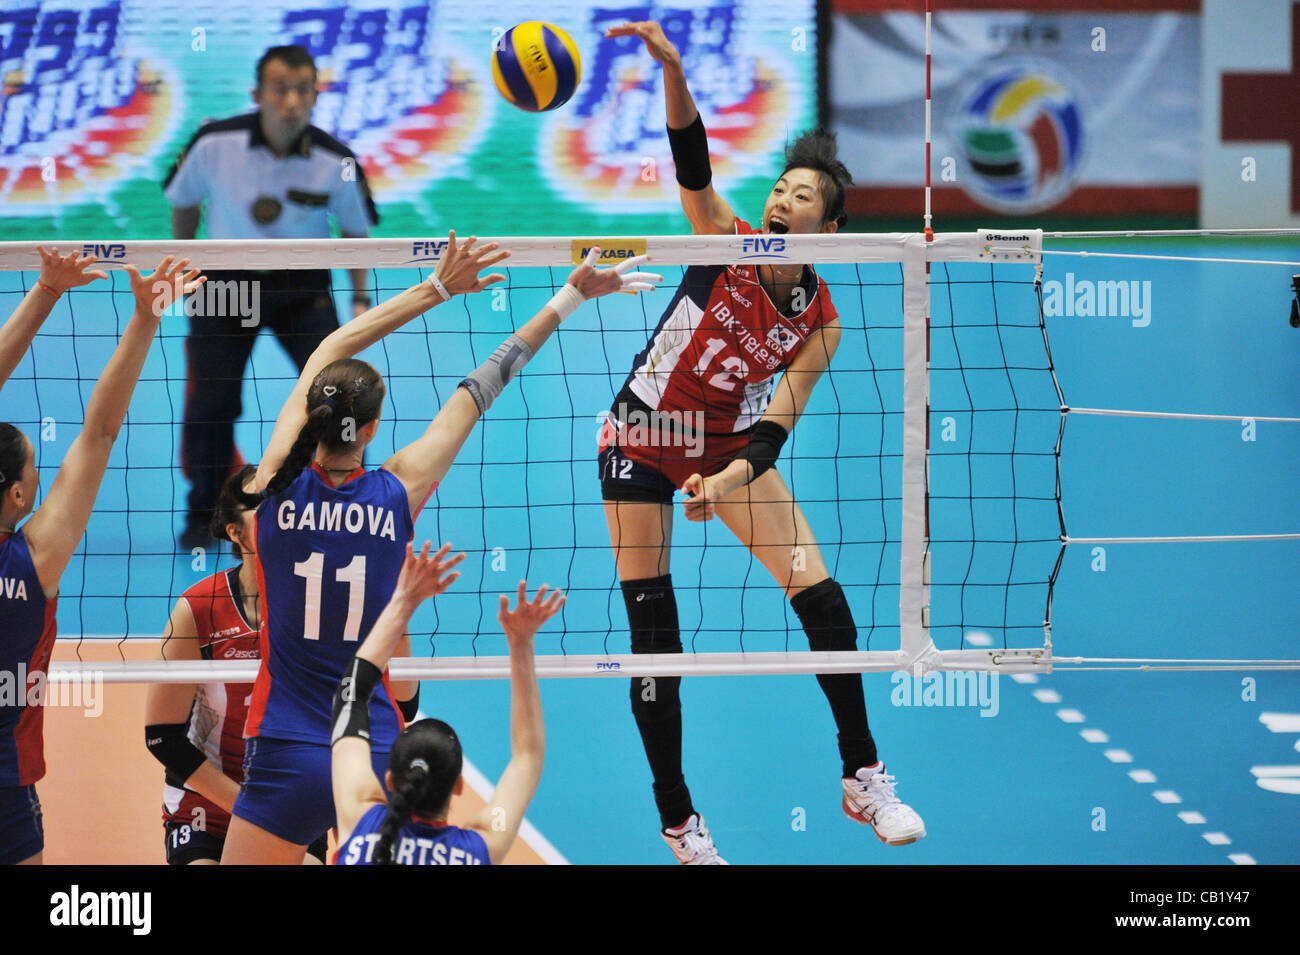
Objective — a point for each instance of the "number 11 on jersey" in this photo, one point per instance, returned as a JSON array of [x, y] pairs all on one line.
[[354, 575]]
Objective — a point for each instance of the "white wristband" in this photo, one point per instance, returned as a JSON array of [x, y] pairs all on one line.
[[565, 301], [440, 288]]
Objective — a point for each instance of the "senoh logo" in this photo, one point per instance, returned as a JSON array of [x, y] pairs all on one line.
[[612, 251], [762, 247], [107, 251], [427, 250]]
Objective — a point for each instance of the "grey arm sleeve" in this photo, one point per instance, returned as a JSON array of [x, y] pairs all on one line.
[[489, 379]]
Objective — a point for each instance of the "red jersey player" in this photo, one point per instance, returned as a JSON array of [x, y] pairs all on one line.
[[700, 412]]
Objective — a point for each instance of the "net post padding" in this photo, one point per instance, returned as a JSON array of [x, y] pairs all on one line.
[[913, 588]]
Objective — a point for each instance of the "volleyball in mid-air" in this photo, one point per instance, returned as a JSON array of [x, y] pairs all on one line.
[[536, 66]]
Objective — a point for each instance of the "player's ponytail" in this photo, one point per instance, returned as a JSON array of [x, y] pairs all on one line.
[[425, 763], [13, 456], [400, 805], [345, 397]]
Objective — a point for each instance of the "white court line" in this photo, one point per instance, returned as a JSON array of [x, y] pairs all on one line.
[[1168, 796], [483, 787], [477, 781], [1281, 722]]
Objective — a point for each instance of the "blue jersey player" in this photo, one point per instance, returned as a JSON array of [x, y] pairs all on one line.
[[410, 828], [331, 537], [33, 557]]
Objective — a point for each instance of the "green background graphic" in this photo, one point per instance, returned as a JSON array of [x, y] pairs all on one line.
[[100, 97]]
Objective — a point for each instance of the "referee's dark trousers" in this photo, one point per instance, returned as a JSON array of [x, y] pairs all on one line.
[[297, 306]]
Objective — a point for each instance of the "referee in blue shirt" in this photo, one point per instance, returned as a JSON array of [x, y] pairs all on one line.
[[268, 174]]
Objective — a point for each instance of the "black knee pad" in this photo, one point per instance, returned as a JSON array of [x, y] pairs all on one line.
[[652, 615], [824, 612]]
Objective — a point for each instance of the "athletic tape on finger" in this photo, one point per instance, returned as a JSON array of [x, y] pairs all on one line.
[[629, 263]]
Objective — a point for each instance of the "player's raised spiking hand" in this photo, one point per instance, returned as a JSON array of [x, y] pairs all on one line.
[[658, 45]]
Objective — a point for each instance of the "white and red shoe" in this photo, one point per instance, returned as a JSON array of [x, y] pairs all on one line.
[[692, 844], [869, 798]]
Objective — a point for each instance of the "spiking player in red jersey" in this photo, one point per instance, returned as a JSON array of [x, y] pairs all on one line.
[[700, 412], [33, 558]]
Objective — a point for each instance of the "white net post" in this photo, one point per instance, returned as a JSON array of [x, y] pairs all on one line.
[[913, 583]]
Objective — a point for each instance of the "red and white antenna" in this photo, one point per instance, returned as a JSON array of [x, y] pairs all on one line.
[[929, 231]]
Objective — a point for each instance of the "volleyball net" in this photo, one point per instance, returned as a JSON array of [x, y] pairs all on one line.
[[928, 462]]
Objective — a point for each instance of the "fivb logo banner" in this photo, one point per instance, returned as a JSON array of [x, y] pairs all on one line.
[[404, 96], [747, 71], [80, 102]]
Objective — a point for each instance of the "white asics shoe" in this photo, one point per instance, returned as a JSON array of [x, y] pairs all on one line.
[[692, 844], [869, 798]]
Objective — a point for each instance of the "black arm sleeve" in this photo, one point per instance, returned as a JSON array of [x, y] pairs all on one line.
[[170, 745], [410, 709], [691, 155], [352, 701], [764, 446]]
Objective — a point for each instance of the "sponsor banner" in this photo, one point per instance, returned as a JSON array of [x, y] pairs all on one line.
[[1032, 109], [612, 251], [1250, 82], [99, 97]]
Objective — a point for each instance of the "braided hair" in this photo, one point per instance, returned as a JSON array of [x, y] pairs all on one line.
[[13, 456], [345, 397], [818, 151], [425, 763]]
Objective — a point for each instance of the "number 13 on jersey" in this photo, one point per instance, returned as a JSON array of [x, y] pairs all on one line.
[[354, 575]]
